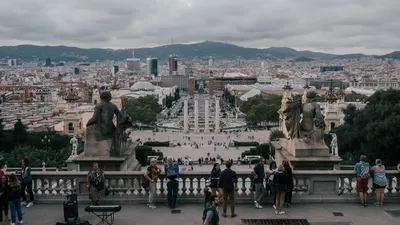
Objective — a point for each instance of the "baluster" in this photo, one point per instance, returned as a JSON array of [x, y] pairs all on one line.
[[162, 189], [243, 189], [58, 188], [184, 189], [191, 188], [198, 188], [389, 186], [397, 186]]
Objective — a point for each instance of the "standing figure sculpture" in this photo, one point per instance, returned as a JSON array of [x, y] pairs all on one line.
[[74, 143], [101, 126], [334, 145], [305, 121]]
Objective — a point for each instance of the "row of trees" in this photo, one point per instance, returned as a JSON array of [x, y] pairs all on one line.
[[142, 110], [373, 131], [261, 110], [48, 146], [171, 99]]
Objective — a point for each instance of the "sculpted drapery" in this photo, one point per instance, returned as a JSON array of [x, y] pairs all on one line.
[[305, 121]]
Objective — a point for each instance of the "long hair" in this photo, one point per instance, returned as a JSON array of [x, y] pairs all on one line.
[[26, 162], [272, 164], [287, 167], [215, 167], [13, 180]]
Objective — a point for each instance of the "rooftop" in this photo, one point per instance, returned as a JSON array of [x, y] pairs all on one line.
[[316, 214]]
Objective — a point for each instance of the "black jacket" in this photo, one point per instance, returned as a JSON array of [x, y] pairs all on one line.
[[227, 180]]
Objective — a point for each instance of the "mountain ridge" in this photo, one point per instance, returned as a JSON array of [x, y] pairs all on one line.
[[202, 50]]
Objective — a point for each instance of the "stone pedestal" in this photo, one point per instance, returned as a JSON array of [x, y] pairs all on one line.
[[71, 166], [305, 157], [196, 116], [206, 116], [185, 116], [217, 129]]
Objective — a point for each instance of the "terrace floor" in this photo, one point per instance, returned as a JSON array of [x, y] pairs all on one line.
[[316, 214]]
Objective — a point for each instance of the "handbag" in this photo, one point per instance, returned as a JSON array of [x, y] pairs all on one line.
[[145, 183]]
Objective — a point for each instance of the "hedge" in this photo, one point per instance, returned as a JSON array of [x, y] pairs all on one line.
[[157, 143], [142, 152], [243, 144], [262, 150]]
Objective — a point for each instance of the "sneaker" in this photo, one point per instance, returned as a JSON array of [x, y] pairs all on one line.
[[12, 223], [363, 205], [276, 212], [377, 204], [21, 222], [30, 204], [281, 212], [274, 206], [152, 206], [23, 203]]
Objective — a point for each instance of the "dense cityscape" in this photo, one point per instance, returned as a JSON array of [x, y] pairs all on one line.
[[204, 113]]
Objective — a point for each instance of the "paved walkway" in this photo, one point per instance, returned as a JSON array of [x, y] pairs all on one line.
[[317, 214]]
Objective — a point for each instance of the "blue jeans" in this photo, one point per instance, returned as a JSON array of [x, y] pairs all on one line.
[[172, 188], [15, 208]]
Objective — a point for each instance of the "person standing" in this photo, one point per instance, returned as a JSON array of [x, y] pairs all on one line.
[[26, 183], [280, 182], [379, 181], [215, 172], [259, 190], [13, 191], [152, 174], [172, 175], [270, 181], [227, 181], [289, 183], [3, 198], [362, 170], [95, 184], [211, 212]]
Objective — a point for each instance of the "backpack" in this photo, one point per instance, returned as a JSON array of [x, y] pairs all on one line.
[[171, 171], [364, 171], [215, 218]]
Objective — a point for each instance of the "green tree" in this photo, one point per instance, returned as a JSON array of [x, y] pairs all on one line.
[[261, 110], [168, 101], [19, 133], [143, 109], [373, 131], [275, 135], [354, 97], [177, 95]]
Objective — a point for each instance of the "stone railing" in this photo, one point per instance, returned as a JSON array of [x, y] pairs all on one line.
[[125, 188]]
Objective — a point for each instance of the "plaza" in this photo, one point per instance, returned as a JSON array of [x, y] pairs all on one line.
[[316, 214]]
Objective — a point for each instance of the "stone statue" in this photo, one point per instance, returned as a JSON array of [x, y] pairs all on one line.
[[74, 143], [101, 128], [334, 145], [305, 122]]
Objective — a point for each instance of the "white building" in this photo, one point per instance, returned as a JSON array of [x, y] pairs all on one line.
[[12, 62]]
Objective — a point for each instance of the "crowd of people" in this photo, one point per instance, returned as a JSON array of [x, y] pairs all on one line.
[[276, 181], [13, 189]]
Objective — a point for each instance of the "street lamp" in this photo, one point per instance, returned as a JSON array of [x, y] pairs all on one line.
[[46, 142]]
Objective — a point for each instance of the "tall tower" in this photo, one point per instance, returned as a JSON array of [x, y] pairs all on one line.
[[191, 84], [173, 64], [211, 84]]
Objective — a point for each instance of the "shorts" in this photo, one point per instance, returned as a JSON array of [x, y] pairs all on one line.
[[361, 185], [379, 187]]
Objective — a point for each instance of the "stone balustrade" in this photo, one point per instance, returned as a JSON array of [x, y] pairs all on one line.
[[309, 186]]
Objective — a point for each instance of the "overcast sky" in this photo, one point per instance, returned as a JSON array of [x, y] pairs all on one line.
[[336, 26]]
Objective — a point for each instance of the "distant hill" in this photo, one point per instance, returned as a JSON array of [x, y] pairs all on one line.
[[201, 50]]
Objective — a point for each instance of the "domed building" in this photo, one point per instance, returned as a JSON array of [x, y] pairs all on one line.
[[142, 88], [142, 85]]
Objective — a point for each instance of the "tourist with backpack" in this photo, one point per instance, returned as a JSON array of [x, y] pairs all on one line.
[[172, 175], [363, 174], [210, 213]]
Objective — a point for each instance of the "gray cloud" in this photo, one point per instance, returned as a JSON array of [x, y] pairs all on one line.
[[337, 26]]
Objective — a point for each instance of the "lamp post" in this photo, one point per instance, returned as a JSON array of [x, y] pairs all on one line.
[[46, 142]]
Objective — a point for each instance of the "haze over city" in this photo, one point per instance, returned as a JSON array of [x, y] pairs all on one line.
[[339, 26]]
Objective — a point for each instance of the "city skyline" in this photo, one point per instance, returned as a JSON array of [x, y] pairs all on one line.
[[337, 27]]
